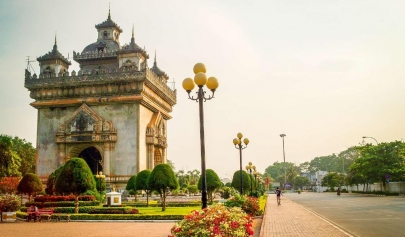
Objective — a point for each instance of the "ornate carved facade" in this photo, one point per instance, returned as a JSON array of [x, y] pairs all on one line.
[[113, 112]]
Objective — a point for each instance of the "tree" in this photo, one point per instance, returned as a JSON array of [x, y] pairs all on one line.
[[331, 180], [382, 162], [347, 157], [75, 177], [330, 163], [131, 185], [9, 184], [142, 183], [213, 183], [9, 159], [27, 153], [300, 181], [161, 179], [30, 183], [192, 189], [50, 184], [245, 181], [276, 171]]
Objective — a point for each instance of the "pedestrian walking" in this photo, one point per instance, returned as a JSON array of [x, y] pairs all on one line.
[[278, 194], [338, 192]]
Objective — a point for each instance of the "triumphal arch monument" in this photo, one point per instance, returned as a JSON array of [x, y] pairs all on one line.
[[113, 112]]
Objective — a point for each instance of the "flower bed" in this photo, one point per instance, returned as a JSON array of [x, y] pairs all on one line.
[[9, 203], [216, 220], [248, 204]]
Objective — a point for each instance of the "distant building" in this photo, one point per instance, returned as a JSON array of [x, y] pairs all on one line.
[[113, 112], [226, 180]]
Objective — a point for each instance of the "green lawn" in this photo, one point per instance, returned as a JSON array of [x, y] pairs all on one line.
[[169, 210]]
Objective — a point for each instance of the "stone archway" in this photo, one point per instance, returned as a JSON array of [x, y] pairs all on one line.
[[93, 158]]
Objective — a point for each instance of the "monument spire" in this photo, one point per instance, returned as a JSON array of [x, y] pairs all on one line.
[[133, 25], [109, 15]]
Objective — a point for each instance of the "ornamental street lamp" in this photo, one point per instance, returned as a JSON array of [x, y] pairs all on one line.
[[101, 177], [255, 174], [371, 138], [200, 79], [285, 172], [238, 145], [249, 168]]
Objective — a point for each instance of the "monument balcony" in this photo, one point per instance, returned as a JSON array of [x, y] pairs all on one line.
[[94, 55], [97, 83]]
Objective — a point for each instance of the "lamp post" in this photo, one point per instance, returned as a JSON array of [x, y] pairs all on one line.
[[285, 172], [200, 79], [371, 138], [249, 168], [100, 176], [238, 145], [255, 174]]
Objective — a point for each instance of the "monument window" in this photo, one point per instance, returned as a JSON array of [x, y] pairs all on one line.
[[105, 34]]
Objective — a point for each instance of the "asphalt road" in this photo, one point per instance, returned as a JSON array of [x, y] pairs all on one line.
[[359, 215]]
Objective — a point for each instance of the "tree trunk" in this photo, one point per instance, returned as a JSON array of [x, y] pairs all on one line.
[[147, 198], [76, 204], [164, 201]]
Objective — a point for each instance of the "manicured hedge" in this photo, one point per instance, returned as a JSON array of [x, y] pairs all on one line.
[[77, 217], [125, 217], [168, 204], [111, 210], [62, 204], [377, 193]]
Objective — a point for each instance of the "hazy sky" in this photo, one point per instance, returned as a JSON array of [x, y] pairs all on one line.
[[325, 73]]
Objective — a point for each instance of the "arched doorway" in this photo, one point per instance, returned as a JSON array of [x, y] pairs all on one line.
[[93, 158]]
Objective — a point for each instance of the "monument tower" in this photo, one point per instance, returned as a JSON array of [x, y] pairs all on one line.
[[113, 112]]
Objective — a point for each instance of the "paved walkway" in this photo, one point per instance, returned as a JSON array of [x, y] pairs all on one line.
[[290, 219]]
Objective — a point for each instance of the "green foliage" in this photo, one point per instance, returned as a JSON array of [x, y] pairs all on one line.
[[10, 161], [30, 184], [245, 181], [142, 183], [75, 177], [376, 162], [300, 181], [27, 153], [50, 184], [227, 192], [193, 189], [276, 171], [213, 183], [131, 184], [161, 179], [332, 180], [142, 180]]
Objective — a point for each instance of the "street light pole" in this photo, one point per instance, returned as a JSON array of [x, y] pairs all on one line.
[[371, 138], [238, 145], [249, 168], [285, 171], [200, 79]]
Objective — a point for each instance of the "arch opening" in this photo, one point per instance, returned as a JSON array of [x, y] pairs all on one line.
[[93, 158]]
